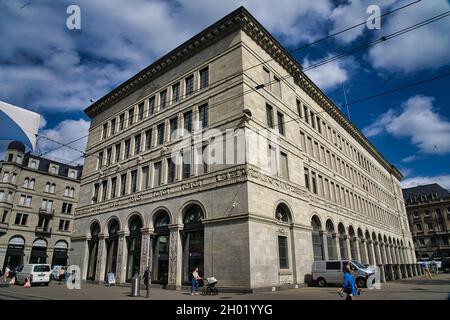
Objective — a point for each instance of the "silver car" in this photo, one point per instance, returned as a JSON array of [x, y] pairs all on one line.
[[330, 272]]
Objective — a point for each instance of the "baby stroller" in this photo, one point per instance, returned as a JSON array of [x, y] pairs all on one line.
[[210, 286]]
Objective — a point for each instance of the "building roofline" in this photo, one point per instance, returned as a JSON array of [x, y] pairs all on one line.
[[239, 19]]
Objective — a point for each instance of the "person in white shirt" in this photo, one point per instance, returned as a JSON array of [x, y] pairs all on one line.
[[194, 281]]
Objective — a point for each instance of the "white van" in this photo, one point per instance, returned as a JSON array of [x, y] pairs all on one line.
[[330, 272], [36, 273]]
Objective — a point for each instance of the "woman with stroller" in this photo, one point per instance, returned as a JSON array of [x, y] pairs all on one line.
[[194, 282]]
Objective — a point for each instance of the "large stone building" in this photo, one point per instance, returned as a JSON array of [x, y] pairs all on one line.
[[38, 198], [428, 209], [326, 192]]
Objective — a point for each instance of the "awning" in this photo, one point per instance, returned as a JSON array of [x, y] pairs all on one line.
[[60, 254], [14, 250], [39, 252]]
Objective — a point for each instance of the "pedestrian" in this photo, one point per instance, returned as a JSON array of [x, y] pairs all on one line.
[[61, 275], [427, 271], [6, 273], [194, 281], [348, 285], [146, 274]]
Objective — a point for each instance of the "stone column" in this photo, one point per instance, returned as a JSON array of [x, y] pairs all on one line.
[[325, 245], [175, 257], [378, 253], [363, 251], [122, 255], [335, 238], [358, 252], [145, 249], [347, 246], [101, 259], [391, 250], [371, 252]]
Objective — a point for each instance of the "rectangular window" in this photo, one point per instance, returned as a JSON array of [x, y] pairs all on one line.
[[202, 167], [204, 78], [148, 139], [188, 121], [113, 187], [173, 128], [157, 174], [133, 181], [160, 130], [141, 111], [203, 116], [145, 177], [137, 144], [430, 227], [95, 196], [105, 131], [269, 114], [314, 182], [313, 119], [187, 165], [122, 121], [284, 166], [127, 149], [283, 252], [123, 184], [104, 189], [419, 227], [171, 171], [100, 160], [21, 219], [130, 116], [272, 154], [306, 114], [151, 105], [108, 156], [189, 85], [303, 141], [117, 152], [163, 99], [280, 123], [176, 92], [266, 76], [306, 178], [113, 126], [276, 87]]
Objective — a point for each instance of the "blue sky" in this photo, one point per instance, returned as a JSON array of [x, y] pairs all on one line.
[[55, 71]]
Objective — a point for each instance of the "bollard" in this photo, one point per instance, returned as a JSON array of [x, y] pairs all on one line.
[[135, 286]]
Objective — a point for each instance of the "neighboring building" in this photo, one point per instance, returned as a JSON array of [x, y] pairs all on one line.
[[328, 194], [38, 198], [428, 209]]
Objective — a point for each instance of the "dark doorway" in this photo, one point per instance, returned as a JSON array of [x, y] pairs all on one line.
[[93, 251], [112, 244], [134, 247], [193, 241], [160, 263]]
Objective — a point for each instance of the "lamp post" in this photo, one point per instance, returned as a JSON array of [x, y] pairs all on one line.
[[149, 265]]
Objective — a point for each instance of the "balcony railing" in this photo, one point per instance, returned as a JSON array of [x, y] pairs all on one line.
[[44, 230], [46, 212], [4, 227]]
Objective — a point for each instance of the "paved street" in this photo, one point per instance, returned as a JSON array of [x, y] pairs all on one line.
[[410, 289]]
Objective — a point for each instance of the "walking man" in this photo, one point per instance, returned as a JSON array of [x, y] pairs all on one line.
[[349, 285]]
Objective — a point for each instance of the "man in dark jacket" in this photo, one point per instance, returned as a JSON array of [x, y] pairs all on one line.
[[146, 274]]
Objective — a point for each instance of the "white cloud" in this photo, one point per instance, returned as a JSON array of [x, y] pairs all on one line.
[[417, 121], [442, 180], [327, 75], [409, 159], [66, 131], [44, 66], [427, 47]]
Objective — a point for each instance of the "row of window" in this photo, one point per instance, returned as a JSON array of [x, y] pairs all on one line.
[[323, 155], [154, 175], [430, 227], [53, 169], [155, 103], [330, 190], [427, 213], [46, 204], [146, 140], [21, 219], [433, 241], [315, 122]]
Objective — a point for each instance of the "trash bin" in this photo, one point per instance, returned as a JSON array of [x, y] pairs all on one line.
[[135, 286]]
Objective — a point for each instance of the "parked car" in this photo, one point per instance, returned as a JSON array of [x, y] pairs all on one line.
[[330, 272], [55, 272], [36, 273]]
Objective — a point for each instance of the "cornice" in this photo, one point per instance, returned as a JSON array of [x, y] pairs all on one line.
[[243, 20]]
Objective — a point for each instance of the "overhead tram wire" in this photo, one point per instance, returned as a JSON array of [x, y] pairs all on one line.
[[293, 50]]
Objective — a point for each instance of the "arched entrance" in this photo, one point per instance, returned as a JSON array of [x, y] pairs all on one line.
[[14, 253], [161, 247], [284, 219], [60, 253], [112, 244], [134, 247], [317, 239], [193, 241], [93, 251], [39, 251], [331, 241]]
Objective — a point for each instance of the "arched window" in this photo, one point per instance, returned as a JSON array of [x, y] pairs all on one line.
[[53, 169], [31, 185], [194, 214], [317, 239], [162, 219], [52, 188], [193, 240], [47, 187], [161, 247], [26, 182], [134, 247], [66, 192], [93, 251], [112, 247], [72, 192]]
